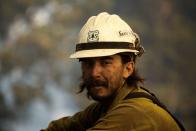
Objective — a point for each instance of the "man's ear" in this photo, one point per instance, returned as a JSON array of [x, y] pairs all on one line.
[[128, 69]]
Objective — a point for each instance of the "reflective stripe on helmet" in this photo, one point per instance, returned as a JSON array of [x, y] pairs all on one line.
[[105, 45]]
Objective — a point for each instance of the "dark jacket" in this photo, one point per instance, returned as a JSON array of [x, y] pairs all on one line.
[[138, 114]]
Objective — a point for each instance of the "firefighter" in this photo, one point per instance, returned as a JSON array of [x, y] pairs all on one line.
[[108, 49]]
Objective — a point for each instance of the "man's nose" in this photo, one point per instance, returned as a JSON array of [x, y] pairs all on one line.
[[96, 70]]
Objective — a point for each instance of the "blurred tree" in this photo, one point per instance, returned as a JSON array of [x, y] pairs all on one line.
[[11, 9], [166, 28]]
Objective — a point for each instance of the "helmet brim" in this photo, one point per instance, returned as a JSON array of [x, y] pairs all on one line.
[[99, 53]]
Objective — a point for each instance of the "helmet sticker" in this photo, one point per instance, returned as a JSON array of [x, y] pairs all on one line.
[[93, 36]]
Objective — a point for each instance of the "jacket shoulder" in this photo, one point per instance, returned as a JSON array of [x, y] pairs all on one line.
[[143, 112]]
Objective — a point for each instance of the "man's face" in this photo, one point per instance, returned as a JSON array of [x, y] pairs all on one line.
[[103, 76]]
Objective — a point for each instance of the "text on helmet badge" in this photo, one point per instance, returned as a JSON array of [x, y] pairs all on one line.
[[124, 33], [93, 36]]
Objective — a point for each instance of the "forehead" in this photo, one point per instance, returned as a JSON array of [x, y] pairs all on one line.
[[112, 57]]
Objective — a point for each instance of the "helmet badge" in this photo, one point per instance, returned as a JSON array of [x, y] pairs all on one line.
[[93, 36]]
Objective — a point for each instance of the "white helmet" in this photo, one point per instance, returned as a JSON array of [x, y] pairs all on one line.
[[105, 35]]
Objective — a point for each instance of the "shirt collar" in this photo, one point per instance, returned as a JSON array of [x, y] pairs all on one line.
[[121, 94]]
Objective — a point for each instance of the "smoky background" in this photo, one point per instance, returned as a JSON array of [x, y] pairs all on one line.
[[38, 81]]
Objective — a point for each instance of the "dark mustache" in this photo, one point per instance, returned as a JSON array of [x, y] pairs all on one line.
[[91, 82]]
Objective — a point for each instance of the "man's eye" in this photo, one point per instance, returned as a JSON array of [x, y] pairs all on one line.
[[87, 63], [107, 62]]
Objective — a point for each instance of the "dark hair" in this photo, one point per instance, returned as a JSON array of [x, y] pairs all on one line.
[[134, 79]]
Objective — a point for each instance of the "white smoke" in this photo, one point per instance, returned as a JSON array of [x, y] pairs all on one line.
[[40, 113]]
